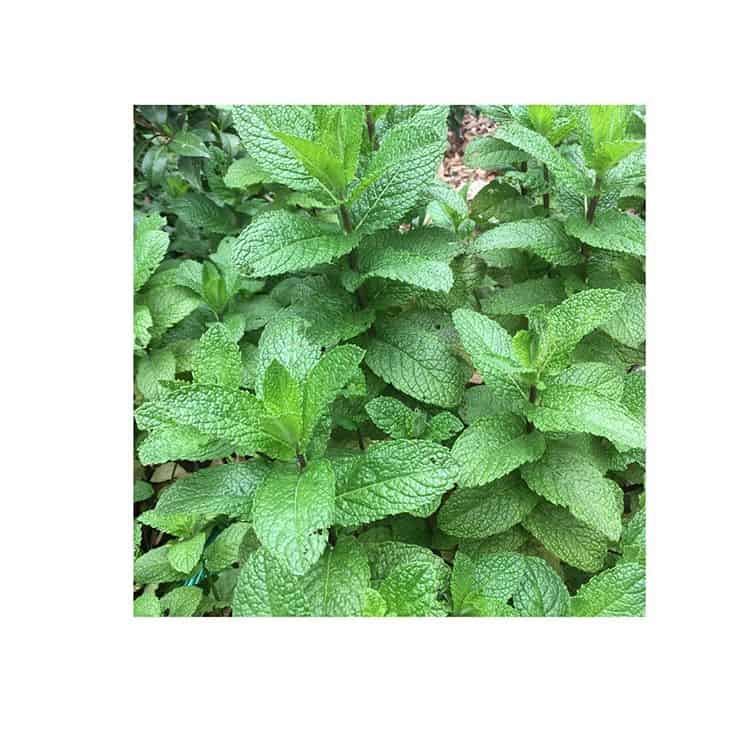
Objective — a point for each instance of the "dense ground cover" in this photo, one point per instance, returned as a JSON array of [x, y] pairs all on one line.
[[360, 392]]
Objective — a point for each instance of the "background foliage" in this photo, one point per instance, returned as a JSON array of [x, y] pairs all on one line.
[[360, 393]]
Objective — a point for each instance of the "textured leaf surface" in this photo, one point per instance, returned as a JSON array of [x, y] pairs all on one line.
[[520, 298], [411, 590], [150, 247], [565, 477], [225, 549], [292, 512], [541, 592], [217, 359], [493, 447], [628, 324], [395, 418], [227, 489], [543, 237], [399, 171], [480, 512], [278, 242], [184, 556], [395, 476], [569, 408], [154, 367], [154, 567], [494, 576], [617, 592], [611, 230], [417, 362], [568, 538]]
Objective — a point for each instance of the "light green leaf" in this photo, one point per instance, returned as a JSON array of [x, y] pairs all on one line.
[[569, 408], [417, 362], [168, 305], [493, 447], [225, 548], [278, 242], [292, 512], [258, 127], [492, 154], [375, 605], [541, 149], [147, 605], [541, 592], [142, 323], [201, 212], [492, 576], [519, 298], [411, 590], [324, 381], [184, 556], [337, 584], [150, 247], [399, 172], [617, 592], [565, 477], [216, 359], [395, 476], [565, 325], [565, 536], [610, 230], [243, 173], [154, 567], [628, 324], [183, 601], [481, 512], [386, 556], [156, 366], [227, 489], [395, 418], [633, 542], [443, 426], [543, 237], [282, 400], [602, 378], [142, 491]]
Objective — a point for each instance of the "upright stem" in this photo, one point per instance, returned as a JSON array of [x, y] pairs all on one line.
[[524, 167], [346, 220], [371, 128], [545, 197], [591, 208], [346, 224]]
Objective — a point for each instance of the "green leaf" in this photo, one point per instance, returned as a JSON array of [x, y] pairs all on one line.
[[324, 381], [154, 367], [443, 426], [617, 592], [147, 605], [543, 237], [541, 592], [292, 513], [336, 586], [184, 556], [417, 362], [375, 605], [568, 538], [243, 173], [519, 298], [386, 556], [258, 128], [565, 477], [610, 230], [565, 325], [633, 542], [493, 447], [491, 351], [493, 576], [419, 257], [569, 408], [266, 588], [399, 172], [199, 211], [167, 306], [213, 412], [481, 512], [395, 418], [225, 548], [154, 567], [541, 149], [278, 242], [150, 247], [142, 491], [142, 323], [628, 324], [282, 400], [216, 359], [395, 476], [340, 131], [186, 143], [183, 601], [318, 161], [602, 378], [227, 489], [491, 154], [411, 590]]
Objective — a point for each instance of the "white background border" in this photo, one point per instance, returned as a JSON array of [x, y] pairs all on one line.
[[79, 671]]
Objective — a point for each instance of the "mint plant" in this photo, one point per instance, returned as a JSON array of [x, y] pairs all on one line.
[[359, 392]]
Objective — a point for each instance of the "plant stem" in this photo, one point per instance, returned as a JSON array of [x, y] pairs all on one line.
[[545, 197], [346, 219], [371, 128], [301, 462], [590, 209]]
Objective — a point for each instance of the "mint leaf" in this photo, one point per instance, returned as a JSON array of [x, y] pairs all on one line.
[[216, 359], [493, 447], [541, 592], [150, 247], [442, 427], [184, 556], [610, 230], [292, 512], [396, 476], [277, 242], [519, 298], [411, 590], [617, 592], [565, 477], [565, 536], [481, 512], [491, 577], [395, 418], [417, 362]]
